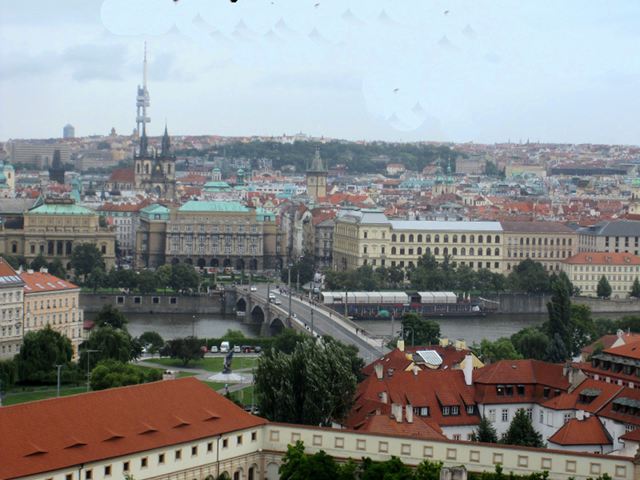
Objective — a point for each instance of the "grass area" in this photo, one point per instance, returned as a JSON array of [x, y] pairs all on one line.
[[186, 374], [214, 385], [212, 364], [244, 396], [17, 396]]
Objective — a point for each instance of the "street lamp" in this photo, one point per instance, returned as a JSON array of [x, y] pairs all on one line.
[[59, 367], [313, 335], [89, 352], [289, 282]]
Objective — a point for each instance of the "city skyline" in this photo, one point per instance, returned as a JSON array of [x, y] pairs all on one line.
[[470, 71]]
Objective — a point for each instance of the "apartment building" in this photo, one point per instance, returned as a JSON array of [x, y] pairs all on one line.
[[549, 243], [368, 237], [11, 308], [585, 269], [207, 234], [613, 236], [54, 302]]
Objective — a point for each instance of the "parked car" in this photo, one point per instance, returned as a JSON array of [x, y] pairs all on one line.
[[224, 347], [214, 349], [277, 301], [247, 349], [236, 349], [258, 349], [203, 349], [253, 288]]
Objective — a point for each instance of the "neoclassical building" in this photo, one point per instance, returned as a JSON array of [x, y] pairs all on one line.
[[368, 237], [52, 228], [217, 234]]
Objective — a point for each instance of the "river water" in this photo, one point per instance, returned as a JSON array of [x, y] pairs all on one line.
[[470, 329]]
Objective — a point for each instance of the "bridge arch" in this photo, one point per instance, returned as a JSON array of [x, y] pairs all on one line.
[[257, 314], [276, 327], [241, 305]]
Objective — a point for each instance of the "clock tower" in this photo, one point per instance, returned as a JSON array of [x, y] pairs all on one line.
[[317, 178]]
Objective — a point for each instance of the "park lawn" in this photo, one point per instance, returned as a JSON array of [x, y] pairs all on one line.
[[15, 397], [186, 374], [211, 364]]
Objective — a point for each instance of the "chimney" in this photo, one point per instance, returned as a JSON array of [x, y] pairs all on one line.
[[580, 415], [29, 270], [384, 398], [396, 412], [415, 370], [379, 369], [460, 344], [401, 345], [468, 370], [409, 413], [44, 270], [444, 342]]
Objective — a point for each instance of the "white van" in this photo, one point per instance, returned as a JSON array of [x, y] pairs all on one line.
[[224, 347]]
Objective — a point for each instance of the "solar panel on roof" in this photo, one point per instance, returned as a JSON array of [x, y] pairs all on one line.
[[430, 356]]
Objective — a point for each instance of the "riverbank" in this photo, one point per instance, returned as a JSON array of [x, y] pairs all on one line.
[[522, 303]]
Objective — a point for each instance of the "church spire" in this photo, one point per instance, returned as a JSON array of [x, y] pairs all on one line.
[[317, 165], [166, 143], [144, 142]]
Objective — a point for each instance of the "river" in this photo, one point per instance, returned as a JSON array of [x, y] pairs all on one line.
[[470, 329]]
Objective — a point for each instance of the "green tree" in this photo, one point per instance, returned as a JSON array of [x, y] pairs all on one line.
[[56, 268], [635, 289], [582, 329], [529, 276], [183, 278], [425, 332], [501, 349], [112, 373], [38, 262], [185, 349], [147, 281], [163, 274], [391, 469], [557, 350], [603, 288], [85, 257], [108, 343], [297, 465], [15, 261], [305, 267], [531, 343], [428, 470], [152, 341], [8, 374], [521, 432], [112, 316], [41, 351], [126, 279], [485, 432], [559, 309], [96, 279], [287, 340], [314, 385], [234, 336]]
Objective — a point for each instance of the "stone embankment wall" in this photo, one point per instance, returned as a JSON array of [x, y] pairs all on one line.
[[524, 303], [211, 303]]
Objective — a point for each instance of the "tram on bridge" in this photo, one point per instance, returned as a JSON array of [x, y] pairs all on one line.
[[383, 305]]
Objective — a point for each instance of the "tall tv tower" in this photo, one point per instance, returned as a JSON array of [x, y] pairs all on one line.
[[142, 99]]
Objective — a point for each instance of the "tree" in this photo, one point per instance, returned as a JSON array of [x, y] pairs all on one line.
[[305, 267], [85, 257], [559, 309], [126, 279], [184, 277], [41, 351], [186, 349], [147, 281], [557, 350], [635, 289], [287, 340], [485, 432], [38, 262], [96, 279], [234, 336], [531, 343], [152, 341], [313, 385], [529, 276], [8, 374], [297, 465], [108, 343], [603, 289], [425, 332], [112, 373], [56, 268], [501, 349], [163, 274], [521, 432], [112, 316]]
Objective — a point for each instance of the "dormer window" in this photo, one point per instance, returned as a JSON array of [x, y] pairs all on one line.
[[455, 410], [520, 390], [500, 390], [446, 411], [471, 409]]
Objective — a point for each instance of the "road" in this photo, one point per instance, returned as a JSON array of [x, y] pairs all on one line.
[[326, 322]]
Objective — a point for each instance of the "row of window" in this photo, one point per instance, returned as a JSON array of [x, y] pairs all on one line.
[[436, 238], [445, 251], [540, 241], [544, 254], [107, 470], [202, 228], [8, 297], [55, 303]]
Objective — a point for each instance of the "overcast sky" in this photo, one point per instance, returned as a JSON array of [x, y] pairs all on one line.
[[445, 70]]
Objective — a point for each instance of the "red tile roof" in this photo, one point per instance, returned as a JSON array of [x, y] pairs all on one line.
[[7, 273], [58, 433], [603, 258], [419, 428], [122, 175], [606, 341], [36, 282], [625, 396], [628, 350], [571, 401], [451, 358], [589, 431]]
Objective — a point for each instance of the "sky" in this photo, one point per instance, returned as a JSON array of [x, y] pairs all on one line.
[[479, 71]]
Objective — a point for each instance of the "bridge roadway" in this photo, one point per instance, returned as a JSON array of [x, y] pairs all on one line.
[[325, 322]]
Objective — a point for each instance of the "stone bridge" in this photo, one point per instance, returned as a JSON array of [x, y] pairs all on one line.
[[256, 310]]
